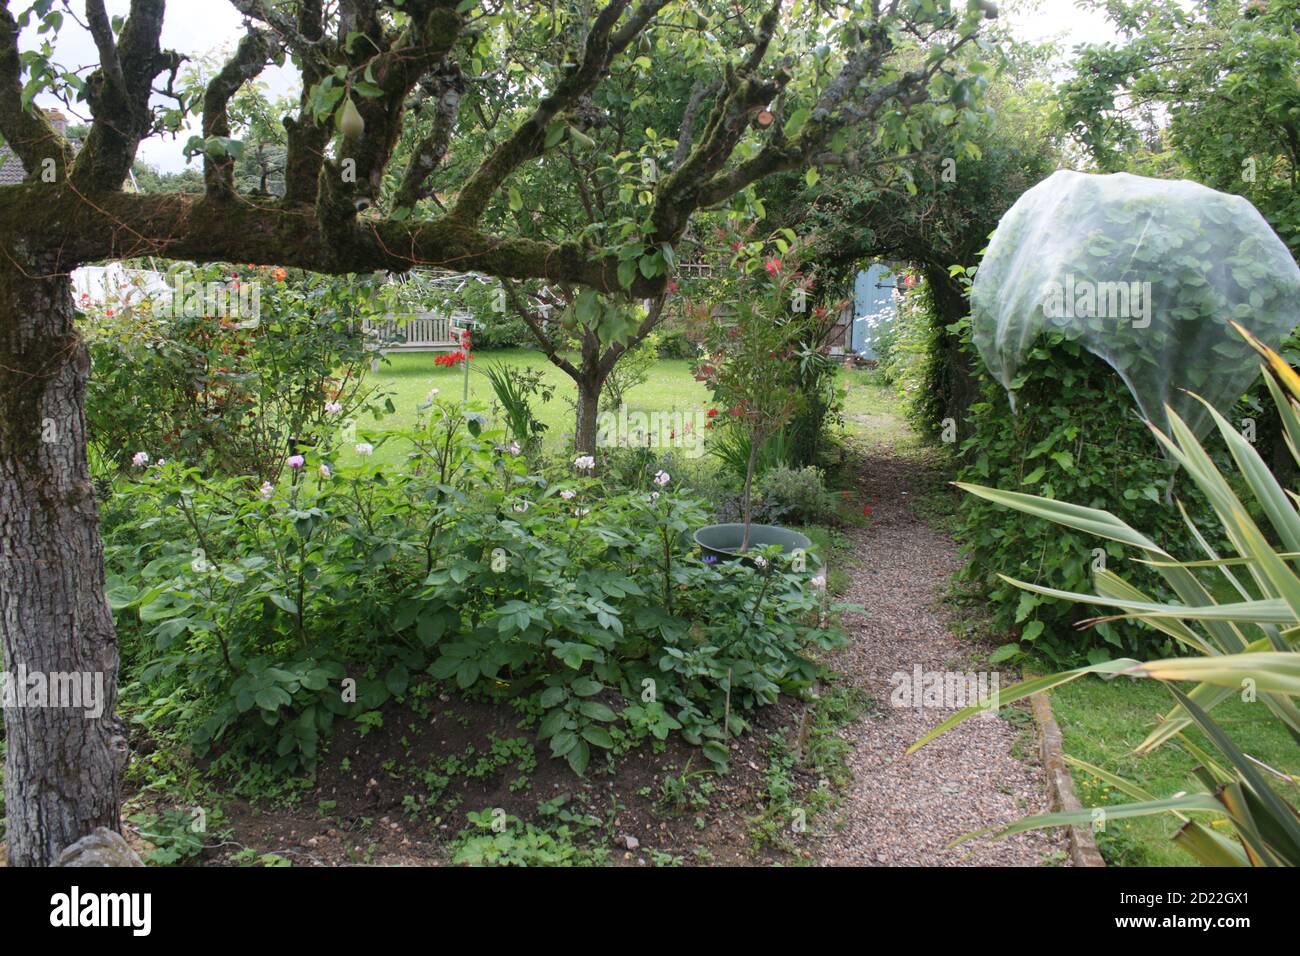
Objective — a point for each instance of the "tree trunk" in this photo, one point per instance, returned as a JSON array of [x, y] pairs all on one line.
[[755, 443], [584, 440], [959, 384], [64, 762]]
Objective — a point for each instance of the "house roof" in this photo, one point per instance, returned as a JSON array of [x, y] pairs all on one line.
[[11, 168], [12, 171]]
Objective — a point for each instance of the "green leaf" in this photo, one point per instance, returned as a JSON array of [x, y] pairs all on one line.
[[596, 710], [579, 757], [397, 680], [598, 736], [563, 742]]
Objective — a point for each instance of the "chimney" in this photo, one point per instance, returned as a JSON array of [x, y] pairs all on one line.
[[58, 121]]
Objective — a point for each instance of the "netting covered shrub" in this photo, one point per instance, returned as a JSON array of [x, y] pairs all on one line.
[[1145, 274]]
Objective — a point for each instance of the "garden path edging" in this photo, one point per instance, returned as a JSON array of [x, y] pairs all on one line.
[[1083, 848]]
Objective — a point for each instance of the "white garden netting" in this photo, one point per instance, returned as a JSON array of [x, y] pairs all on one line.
[[1144, 273]]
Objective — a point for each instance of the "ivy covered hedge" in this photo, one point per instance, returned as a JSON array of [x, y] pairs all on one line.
[[1077, 437]]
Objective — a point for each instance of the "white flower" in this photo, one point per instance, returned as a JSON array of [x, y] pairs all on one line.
[[521, 506], [513, 448], [661, 478], [580, 512], [568, 494], [760, 561], [160, 462], [654, 496], [584, 463], [364, 448], [819, 582], [140, 459], [433, 393], [324, 471], [268, 489], [333, 408]]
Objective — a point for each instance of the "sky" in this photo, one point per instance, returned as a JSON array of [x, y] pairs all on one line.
[[199, 27]]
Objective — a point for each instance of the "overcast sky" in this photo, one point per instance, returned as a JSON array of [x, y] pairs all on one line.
[[198, 27]]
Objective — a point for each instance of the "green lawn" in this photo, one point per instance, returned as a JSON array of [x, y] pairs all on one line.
[[1102, 721], [410, 375], [870, 406]]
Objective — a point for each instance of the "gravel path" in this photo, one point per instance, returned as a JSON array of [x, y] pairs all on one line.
[[904, 810]]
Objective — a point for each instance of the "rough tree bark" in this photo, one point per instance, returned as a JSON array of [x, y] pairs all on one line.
[[63, 768], [584, 439]]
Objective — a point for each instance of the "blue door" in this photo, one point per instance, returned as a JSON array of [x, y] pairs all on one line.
[[873, 308]]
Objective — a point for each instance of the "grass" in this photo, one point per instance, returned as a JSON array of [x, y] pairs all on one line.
[[1102, 721], [872, 410], [408, 377]]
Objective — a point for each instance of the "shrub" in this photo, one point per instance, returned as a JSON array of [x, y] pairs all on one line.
[[515, 388], [230, 392], [248, 609], [1233, 616], [632, 369], [497, 331], [800, 493], [671, 343], [1075, 437]]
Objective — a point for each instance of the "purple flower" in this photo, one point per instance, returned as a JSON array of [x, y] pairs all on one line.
[[296, 461]]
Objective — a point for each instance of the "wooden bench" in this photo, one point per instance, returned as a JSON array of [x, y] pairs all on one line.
[[418, 332]]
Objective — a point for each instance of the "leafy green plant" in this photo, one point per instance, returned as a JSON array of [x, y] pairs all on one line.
[[227, 391], [732, 446], [1074, 437], [801, 493], [749, 334], [1237, 616], [515, 388], [508, 841], [262, 616], [178, 836]]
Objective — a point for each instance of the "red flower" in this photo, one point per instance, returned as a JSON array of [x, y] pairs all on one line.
[[672, 287], [735, 246], [712, 412], [866, 510], [773, 266], [451, 359]]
